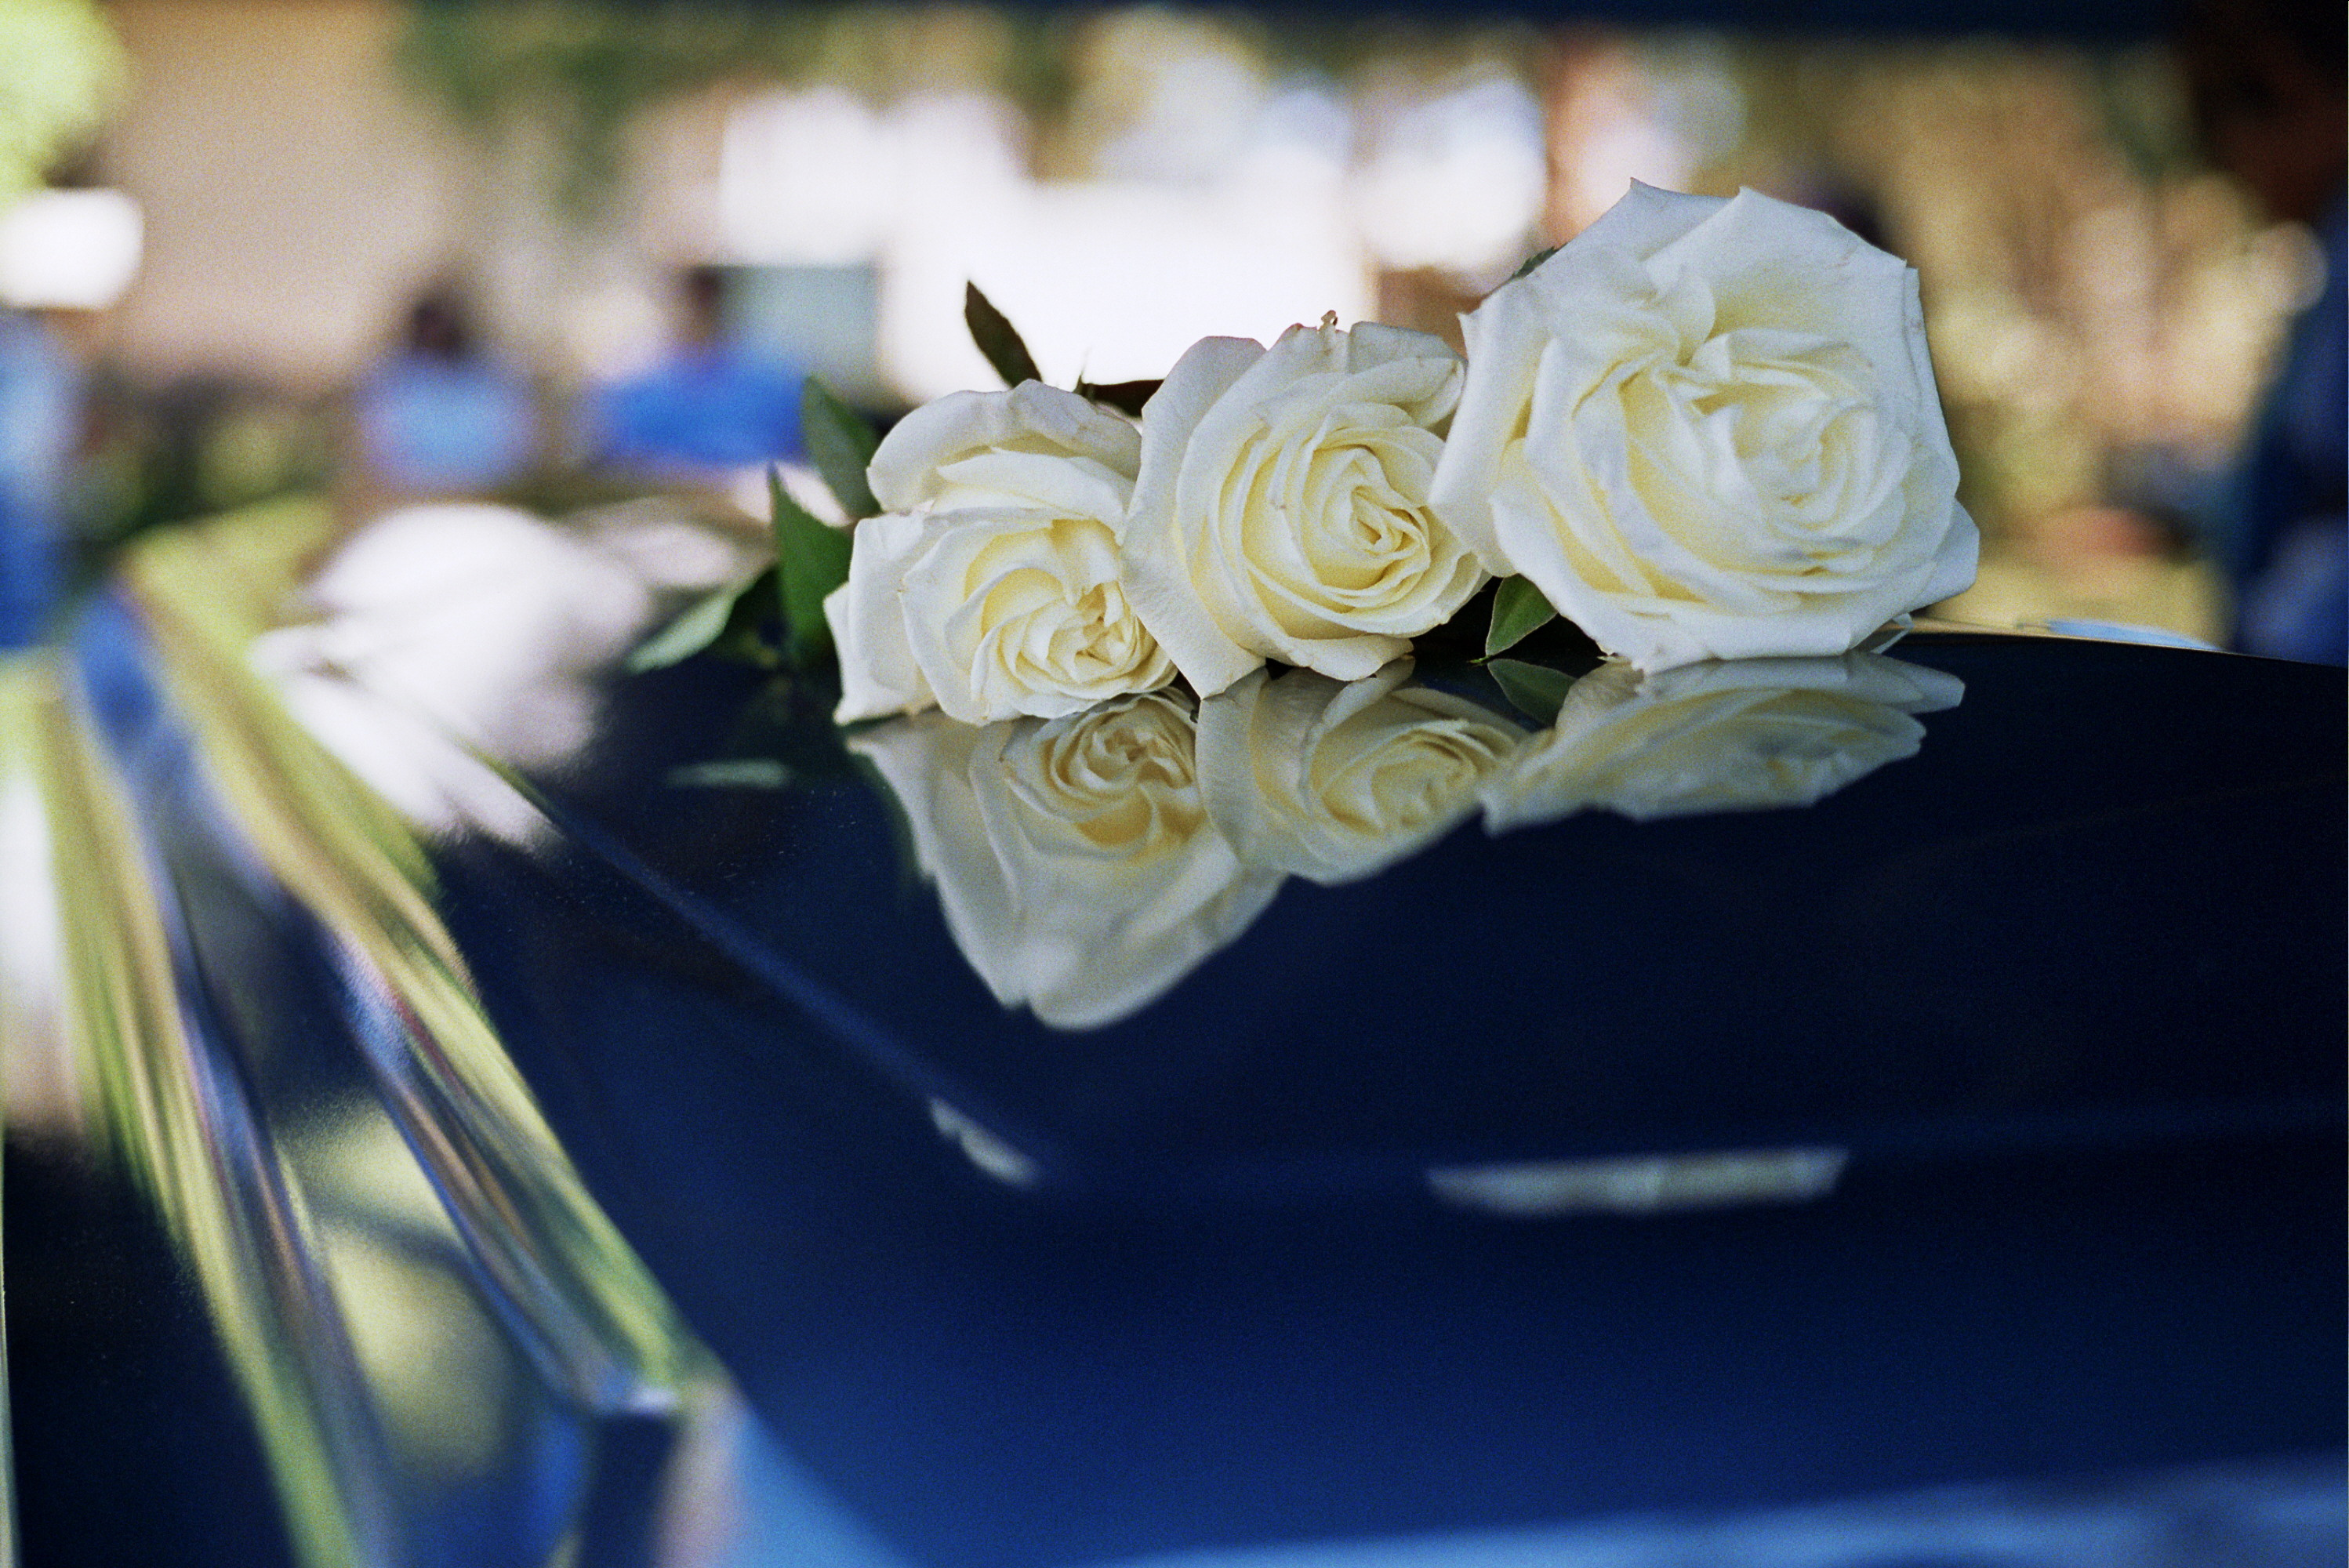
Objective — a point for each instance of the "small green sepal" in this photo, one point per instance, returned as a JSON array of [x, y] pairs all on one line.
[[840, 443], [1538, 690], [726, 624], [810, 561], [1536, 259], [687, 635], [1125, 397], [1518, 610], [997, 338]]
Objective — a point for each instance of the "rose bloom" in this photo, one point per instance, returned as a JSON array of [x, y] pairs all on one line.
[[1074, 862], [1281, 510], [1743, 735], [1335, 781], [989, 587], [1708, 429]]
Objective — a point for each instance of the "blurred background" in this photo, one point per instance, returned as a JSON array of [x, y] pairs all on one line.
[[364, 251]]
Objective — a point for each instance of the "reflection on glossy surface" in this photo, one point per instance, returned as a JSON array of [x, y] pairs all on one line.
[[1086, 865], [1334, 781], [592, 1317], [448, 638], [1278, 1261], [1643, 1184], [170, 1109], [30, 994], [1074, 860], [2277, 1513], [39, 1091], [252, 1011], [1739, 735]]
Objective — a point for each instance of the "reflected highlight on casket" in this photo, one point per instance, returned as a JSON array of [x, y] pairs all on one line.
[[1739, 735], [1086, 864], [1335, 781], [1075, 862]]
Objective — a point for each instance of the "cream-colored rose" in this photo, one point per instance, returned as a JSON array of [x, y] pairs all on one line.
[[1281, 511], [1739, 735], [1075, 863], [1708, 429], [1335, 781], [990, 587]]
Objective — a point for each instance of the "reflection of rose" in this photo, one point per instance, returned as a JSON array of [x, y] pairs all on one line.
[[454, 632], [1076, 865], [1335, 782], [990, 586], [1728, 737], [1708, 430], [1281, 511]]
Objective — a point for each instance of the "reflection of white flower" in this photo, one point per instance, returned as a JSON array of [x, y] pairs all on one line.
[[1335, 782], [990, 586], [1281, 511], [1727, 737], [1076, 865], [459, 627], [1708, 429]]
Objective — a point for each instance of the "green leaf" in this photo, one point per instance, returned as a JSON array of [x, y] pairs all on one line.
[[997, 338], [1125, 397], [725, 621], [1536, 259], [810, 561], [1536, 689], [745, 637], [840, 443], [687, 636], [1518, 610]]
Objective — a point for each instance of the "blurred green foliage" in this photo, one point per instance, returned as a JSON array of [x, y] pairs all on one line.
[[62, 70], [588, 68], [199, 450]]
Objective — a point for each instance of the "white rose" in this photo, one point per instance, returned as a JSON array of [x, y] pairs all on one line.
[[1739, 735], [1708, 429], [990, 586], [1077, 868], [1335, 781], [1281, 511]]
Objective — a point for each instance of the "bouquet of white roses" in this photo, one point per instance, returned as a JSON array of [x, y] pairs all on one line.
[[1704, 428]]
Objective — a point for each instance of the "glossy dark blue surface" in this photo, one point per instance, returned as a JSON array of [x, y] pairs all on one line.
[[2103, 903], [2068, 983]]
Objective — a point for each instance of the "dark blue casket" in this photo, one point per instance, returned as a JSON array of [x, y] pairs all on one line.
[[1942, 1168]]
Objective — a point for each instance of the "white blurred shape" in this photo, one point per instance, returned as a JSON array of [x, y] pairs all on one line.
[[75, 250], [1114, 282], [453, 630], [1112, 279], [1693, 93], [804, 177], [36, 1069], [1192, 119], [747, 489], [1308, 115], [657, 543], [1615, 120], [1620, 149], [1457, 180], [818, 178], [989, 1153]]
